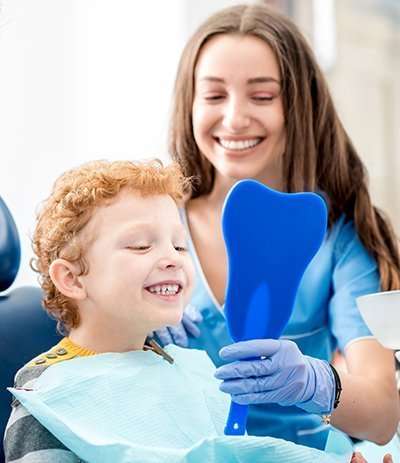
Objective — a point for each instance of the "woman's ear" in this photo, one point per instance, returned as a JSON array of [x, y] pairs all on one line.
[[65, 276]]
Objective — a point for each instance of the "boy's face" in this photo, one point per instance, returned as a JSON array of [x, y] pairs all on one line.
[[140, 272]]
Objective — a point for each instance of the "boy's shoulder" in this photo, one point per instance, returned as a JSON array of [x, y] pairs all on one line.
[[25, 438], [33, 369]]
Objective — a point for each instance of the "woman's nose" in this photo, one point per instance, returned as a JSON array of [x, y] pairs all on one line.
[[236, 118]]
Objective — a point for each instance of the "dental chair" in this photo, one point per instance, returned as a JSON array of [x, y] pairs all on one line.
[[25, 328]]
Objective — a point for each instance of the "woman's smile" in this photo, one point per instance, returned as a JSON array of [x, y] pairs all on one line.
[[243, 144]]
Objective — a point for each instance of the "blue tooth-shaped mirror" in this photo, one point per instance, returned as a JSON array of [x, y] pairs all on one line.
[[270, 239]]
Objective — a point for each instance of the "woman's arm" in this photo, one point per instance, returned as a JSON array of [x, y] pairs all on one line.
[[369, 403], [275, 371]]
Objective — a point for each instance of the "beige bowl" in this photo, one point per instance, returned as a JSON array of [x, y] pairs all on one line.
[[381, 312]]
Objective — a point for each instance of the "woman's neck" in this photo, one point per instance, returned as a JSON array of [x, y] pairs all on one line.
[[222, 185]]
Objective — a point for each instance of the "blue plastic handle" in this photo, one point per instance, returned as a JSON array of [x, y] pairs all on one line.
[[270, 239], [237, 419]]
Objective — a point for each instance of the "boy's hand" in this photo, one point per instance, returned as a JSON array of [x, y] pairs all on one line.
[[358, 458], [179, 334]]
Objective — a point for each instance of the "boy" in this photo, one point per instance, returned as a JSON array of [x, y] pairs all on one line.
[[111, 252]]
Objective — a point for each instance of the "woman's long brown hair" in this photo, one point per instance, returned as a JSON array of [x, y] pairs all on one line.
[[319, 154]]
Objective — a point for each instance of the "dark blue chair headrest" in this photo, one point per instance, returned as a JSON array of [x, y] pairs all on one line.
[[25, 328], [10, 249]]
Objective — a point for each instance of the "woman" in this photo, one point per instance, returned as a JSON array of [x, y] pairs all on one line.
[[251, 102]]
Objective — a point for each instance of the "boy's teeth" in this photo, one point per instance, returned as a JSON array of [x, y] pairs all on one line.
[[239, 144], [165, 290]]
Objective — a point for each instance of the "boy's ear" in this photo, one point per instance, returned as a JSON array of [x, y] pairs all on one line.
[[65, 276]]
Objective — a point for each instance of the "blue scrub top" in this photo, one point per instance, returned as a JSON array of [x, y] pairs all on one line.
[[325, 317]]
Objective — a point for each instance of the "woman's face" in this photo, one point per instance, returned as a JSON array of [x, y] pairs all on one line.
[[238, 119]]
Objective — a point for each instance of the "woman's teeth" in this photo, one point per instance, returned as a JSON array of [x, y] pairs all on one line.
[[165, 290], [238, 145]]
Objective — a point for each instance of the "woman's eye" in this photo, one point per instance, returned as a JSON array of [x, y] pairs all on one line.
[[216, 97], [263, 98]]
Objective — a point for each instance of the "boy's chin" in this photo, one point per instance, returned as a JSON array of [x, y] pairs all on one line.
[[171, 320]]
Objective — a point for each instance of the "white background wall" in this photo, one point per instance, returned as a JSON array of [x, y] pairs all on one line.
[[90, 79], [82, 80], [362, 66]]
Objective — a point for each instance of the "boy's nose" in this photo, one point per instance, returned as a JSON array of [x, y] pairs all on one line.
[[170, 262]]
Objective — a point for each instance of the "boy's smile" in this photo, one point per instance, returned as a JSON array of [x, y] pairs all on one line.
[[140, 272], [167, 290]]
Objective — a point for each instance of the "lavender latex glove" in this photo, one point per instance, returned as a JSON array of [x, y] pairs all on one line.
[[179, 334], [275, 371]]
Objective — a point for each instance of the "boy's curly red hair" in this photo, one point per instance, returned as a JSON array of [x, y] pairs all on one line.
[[75, 195]]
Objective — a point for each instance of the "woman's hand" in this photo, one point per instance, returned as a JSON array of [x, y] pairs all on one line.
[[275, 371], [179, 334]]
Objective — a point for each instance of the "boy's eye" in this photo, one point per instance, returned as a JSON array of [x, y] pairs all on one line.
[[181, 248], [139, 248]]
